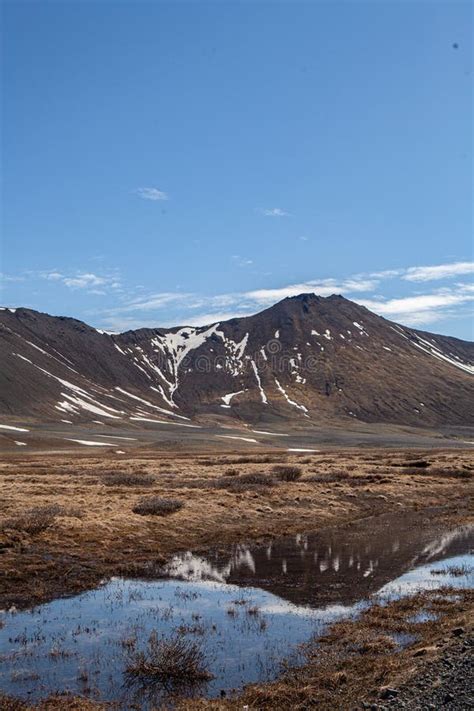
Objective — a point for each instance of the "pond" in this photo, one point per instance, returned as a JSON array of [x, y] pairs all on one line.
[[248, 608]]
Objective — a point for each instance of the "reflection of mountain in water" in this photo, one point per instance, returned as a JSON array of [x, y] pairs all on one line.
[[332, 566]]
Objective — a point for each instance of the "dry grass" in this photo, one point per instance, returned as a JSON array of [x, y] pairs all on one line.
[[356, 660], [287, 472], [37, 519], [457, 571], [336, 488], [157, 506], [332, 476], [64, 553], [414, 464], [244, 482], [135, 479], [177, 659]]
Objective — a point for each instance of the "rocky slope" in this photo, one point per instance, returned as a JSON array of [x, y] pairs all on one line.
[[306, 358]]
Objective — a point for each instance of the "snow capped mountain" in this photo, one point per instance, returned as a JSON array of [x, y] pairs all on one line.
[[307, 358]]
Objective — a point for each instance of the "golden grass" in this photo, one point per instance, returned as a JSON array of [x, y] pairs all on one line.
[[93, 532], [98, 533]]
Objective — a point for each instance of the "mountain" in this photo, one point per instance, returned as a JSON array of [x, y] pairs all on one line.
[[306, 358]]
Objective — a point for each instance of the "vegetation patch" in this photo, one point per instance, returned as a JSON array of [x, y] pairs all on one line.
[[287, 472], [37, 519], [177, 659], [157, 506], [456, 571], [244, 482], [128, 479], [327, 477], [414, 463]]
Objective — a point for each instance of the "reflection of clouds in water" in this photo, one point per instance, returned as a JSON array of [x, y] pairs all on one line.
[[421, 579], [193, 567], [369, 570], [348, 560], [189, 566], [242, 648], [301, 541], [439, 545], [243, 558]]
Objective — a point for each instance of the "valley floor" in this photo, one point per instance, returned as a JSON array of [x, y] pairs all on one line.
[[67, 522]]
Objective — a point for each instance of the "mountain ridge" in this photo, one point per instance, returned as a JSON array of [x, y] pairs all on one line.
[[305, 357]]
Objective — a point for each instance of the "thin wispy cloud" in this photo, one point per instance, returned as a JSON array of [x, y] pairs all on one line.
[[83, 280], [417, 309], [274, 212], [441, 271], [324, 287], [242, 261], [421, 309], [4, 278], [153, 301], [151, 194], [405, 295]]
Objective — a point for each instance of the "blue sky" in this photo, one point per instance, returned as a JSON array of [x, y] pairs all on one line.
[[171, 163]]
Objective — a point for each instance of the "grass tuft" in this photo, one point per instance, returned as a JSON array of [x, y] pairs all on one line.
[[128, 479], [37, 520], [287, 472], [244, 482], [157, 506], [177, 659]]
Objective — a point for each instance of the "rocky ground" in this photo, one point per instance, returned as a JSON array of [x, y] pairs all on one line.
[[447, 682]]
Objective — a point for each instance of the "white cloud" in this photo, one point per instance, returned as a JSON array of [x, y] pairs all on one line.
[[10, 278], [325, 287], [52, 276], [119, 324], [242, 261], [275, 212], [422, 308], [82, 280], [208, 318], [151, 194], [440, 271], [409, 300], [153, 301]]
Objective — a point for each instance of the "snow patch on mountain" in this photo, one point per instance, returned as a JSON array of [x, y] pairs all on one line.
[[291, 402], [259, 383]]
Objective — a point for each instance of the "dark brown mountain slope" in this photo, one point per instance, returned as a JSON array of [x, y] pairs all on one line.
[[306, 358]]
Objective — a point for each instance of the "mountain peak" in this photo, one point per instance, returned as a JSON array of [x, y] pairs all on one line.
[[308, 357]]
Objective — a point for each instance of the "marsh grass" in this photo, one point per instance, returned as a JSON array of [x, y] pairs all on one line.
[[456, 571], [157, 506], [328, 477], [8, 703], [244, 482], [463, 474], [177, 659], [38, 519], [133, 479], [287, 472]]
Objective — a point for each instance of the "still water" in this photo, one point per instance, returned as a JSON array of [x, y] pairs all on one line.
[[249, 608]]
